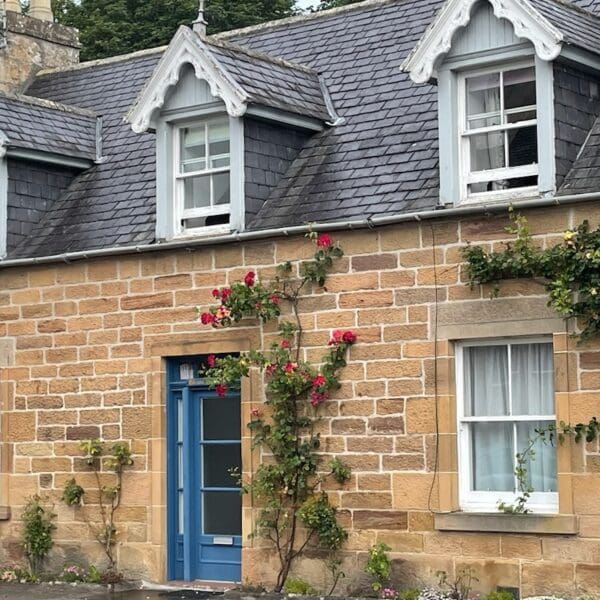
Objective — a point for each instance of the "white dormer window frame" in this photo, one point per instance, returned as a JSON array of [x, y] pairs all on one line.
[[204, 180], [495, 126], [455, 173], [171, 210]]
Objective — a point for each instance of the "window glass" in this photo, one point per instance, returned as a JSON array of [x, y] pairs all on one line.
[[197, 192], [507, 394], [500, 132], [193, 149], [203, 178]]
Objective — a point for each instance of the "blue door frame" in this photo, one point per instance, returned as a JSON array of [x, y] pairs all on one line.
[[203, 519]]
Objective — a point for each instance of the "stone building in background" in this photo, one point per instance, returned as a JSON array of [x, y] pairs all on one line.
[[131, 187]]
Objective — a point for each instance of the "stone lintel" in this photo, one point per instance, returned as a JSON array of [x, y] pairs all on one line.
[[505, 523]]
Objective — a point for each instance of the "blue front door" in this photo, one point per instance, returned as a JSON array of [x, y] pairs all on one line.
[[204, 502]]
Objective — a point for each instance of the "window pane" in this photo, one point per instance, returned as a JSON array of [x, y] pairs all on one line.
[[521, 115], [221, 188], [221, 418], [541, 471], [487, 151], [486, 381], [522, 146], [218, 460], [197, 192], [218, 140], [492, 457], [222, 513], [477, 122], [519, 88], [193, 149], [483, 94], [532, 373]]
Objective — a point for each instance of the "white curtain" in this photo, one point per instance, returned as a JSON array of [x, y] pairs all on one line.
[[487, 394]]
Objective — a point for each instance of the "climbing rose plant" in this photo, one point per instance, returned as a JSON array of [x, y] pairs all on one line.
[[288, 488]]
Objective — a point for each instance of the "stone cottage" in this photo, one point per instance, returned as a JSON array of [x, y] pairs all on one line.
[[130, 187]]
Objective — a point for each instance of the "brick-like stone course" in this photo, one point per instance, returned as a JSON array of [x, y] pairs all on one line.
[[86, 362]]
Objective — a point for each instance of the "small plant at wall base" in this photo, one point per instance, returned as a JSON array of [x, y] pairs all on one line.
[[109, 496], [288, 488], [379, 567], [38, 526]]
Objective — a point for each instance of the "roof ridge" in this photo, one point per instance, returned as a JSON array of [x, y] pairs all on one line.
[[219, 43], [103, 61], [42, 102], [321, 14]]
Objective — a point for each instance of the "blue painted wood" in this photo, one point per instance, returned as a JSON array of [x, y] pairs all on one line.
[[194, 554]]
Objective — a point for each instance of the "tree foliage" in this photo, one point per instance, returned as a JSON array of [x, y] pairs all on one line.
[[112, 27], [325, 4]]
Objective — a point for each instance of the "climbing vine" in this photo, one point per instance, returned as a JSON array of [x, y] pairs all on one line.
[[288, 486], [570, 270]]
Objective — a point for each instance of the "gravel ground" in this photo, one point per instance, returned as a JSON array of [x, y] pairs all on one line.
[[20, 591]]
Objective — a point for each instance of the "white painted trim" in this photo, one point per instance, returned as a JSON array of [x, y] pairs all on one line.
[[546, 128], [237, 216], [480, 501], [3, 196], [185, 48], [528, 23]]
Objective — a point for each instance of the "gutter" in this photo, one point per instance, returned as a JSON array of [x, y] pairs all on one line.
[[368, 223]]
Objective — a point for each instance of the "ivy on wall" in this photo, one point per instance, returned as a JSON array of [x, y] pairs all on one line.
[[570, 270]]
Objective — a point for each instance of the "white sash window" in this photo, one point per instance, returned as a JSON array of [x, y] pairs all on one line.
[[505, 391]]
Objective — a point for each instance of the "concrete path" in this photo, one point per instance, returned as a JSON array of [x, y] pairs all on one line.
[[20, 591]]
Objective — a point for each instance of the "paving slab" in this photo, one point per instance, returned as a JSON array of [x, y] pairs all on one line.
[[20, 591]]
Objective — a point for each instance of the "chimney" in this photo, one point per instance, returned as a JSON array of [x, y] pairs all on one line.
[[31, 43], [41, 9]]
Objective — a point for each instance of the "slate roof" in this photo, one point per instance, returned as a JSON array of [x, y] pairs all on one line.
[[579, 26], [31, 124], [274, 83], [382, 160]]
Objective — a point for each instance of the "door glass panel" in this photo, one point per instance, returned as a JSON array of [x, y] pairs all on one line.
[[180, 466], [221, 418], [180, 507], [219, 459], [222, 513]]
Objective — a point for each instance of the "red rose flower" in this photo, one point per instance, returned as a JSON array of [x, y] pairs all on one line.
[[225, 293], [317, 398], [210, 359], [207, 318], [290, 367], [270, 369], [285, 343], [336, 338], [255, 413], [221, 389], [249, 279], [216, 293], [274, 298], [349, 337], [318, 381], [324, 240]]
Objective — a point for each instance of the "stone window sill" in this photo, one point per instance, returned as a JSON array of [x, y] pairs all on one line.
[[4, 513], [503, 523]]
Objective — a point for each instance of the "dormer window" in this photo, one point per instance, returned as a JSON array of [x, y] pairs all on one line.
[[498, 131], [202, 176]]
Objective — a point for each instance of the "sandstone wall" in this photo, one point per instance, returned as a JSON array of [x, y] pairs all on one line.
[[81, 349]]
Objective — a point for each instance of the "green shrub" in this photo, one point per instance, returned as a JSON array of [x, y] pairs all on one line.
[[379, 566], [37, 532], [295, 585], [412, 594], [499, 595]]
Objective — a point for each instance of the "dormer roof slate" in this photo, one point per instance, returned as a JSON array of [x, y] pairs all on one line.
[[236, 75], [32, 124]]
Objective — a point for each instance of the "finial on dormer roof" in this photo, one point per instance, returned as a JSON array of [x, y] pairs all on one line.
[[199, 25]]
